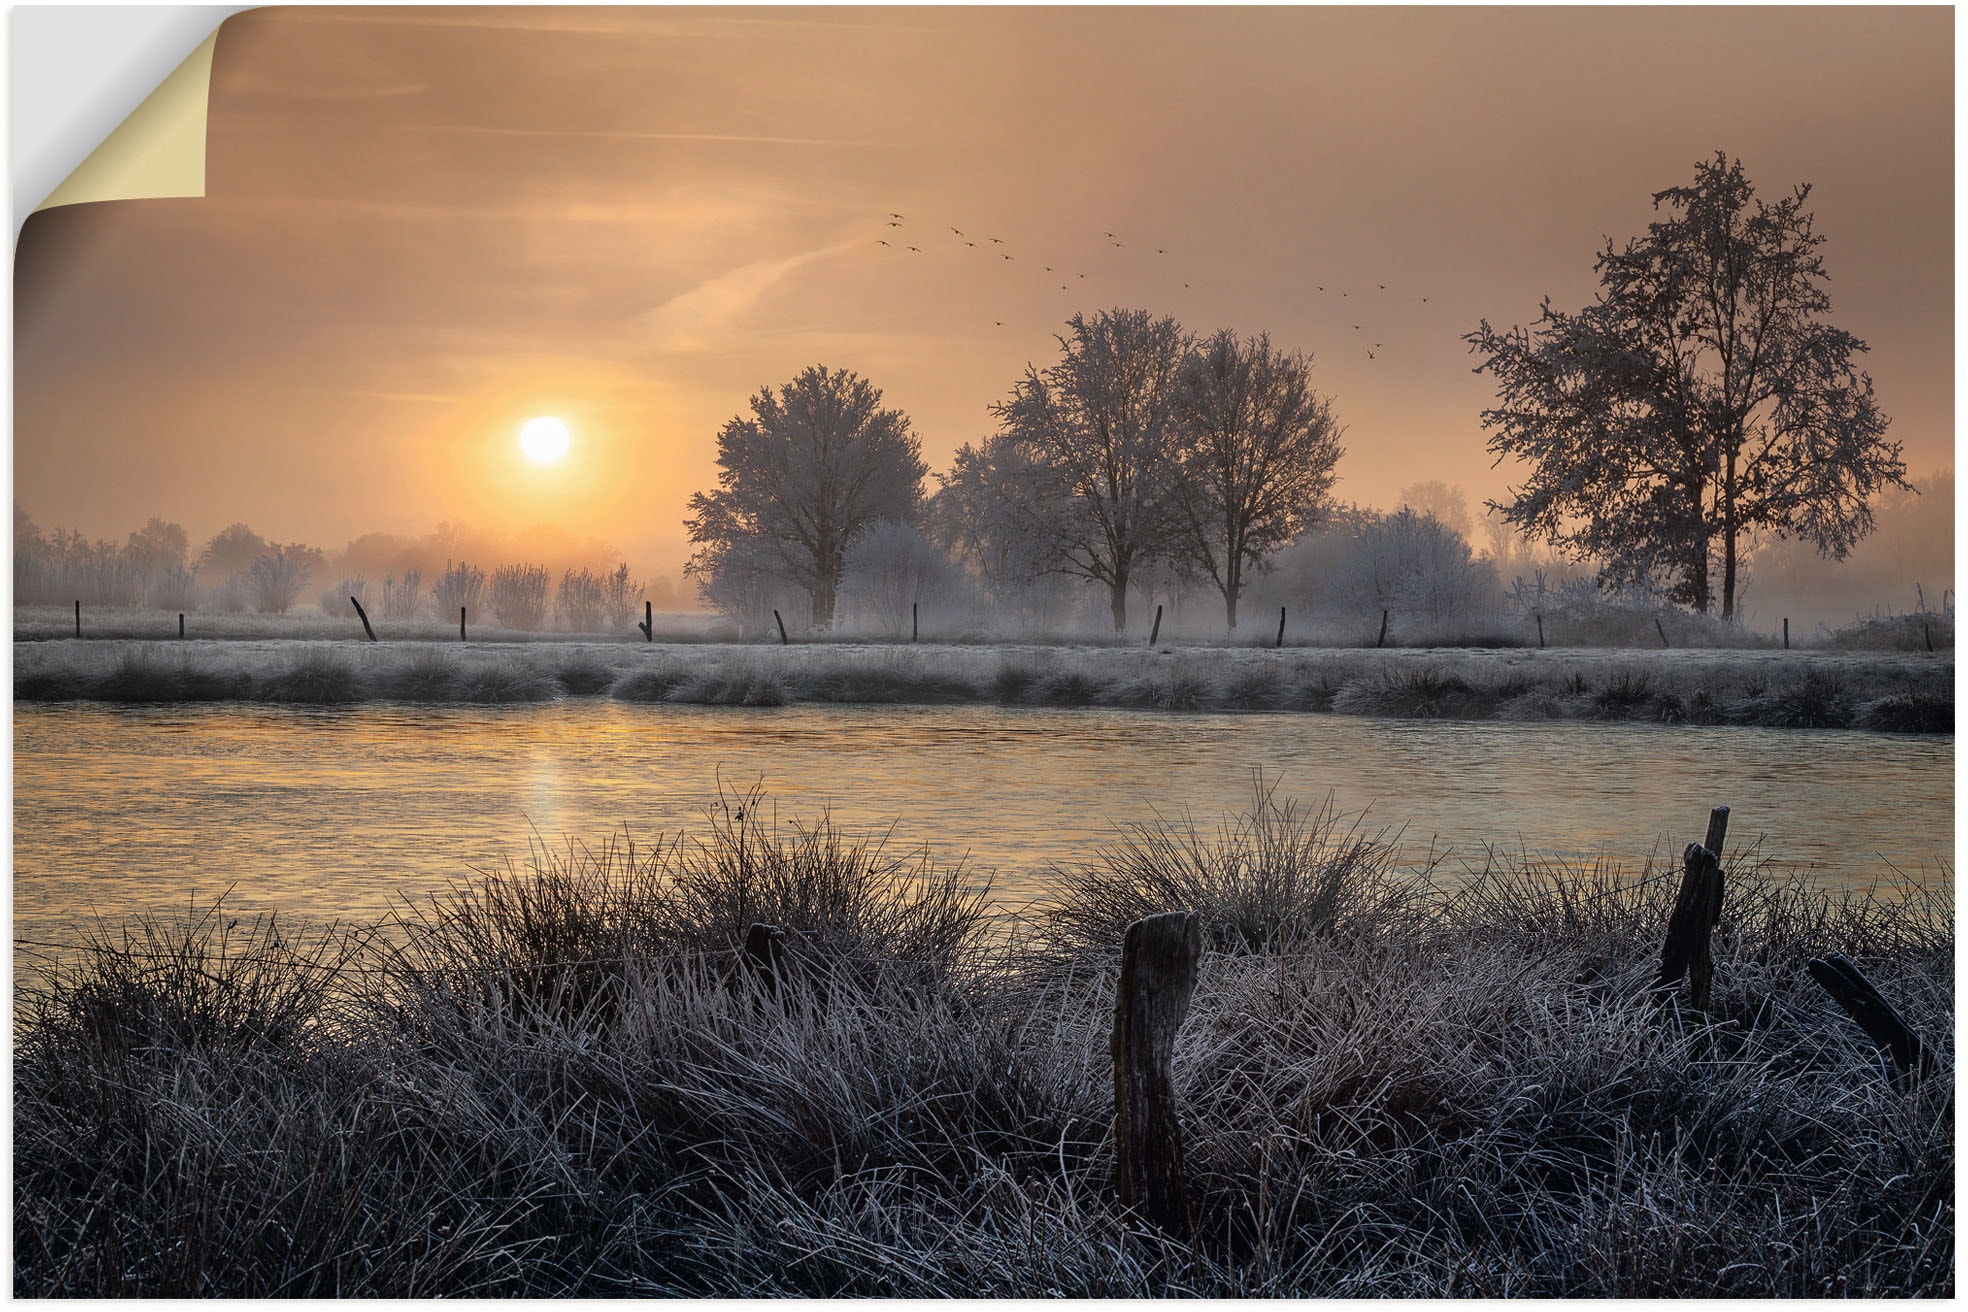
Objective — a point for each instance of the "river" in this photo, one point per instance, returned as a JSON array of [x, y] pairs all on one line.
[[334, 813]]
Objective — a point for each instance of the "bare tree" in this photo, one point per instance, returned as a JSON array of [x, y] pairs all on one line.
[[1698, 399], [1095, 441], [801, 479], [518, 594], [1259, 449], [1445, 503]]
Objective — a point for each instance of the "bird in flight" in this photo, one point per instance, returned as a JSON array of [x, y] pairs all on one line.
[[997, 241], [893, 224], [970, 243], [1004, 256], [1001, 323], [1356, 327], [1424, 300], [893, 215], [1161, 252], [958, 231], [1110, 234], [1383, 286], [1370, 355], [916, 249], [880, 242], [1322, 289]]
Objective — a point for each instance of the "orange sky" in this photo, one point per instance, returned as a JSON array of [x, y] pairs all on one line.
[[424, 226]]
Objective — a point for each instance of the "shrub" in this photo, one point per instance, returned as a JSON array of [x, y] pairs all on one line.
[[580, 600], [460, 586], [518, 595], [315, 675]]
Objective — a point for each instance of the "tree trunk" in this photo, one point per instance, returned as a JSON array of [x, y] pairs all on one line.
[[823, 600], [1230, 608], [1117, 593]]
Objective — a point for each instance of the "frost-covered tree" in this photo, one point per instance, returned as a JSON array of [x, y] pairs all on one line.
[[1699, 398], [1258, 451], [621, 596], [458, 587], [1090, 448], [1412, 565], [518, 594], [801, 479], [275, 579], [893, 567]]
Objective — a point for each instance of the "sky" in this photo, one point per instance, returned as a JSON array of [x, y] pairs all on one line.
[[425, 226]]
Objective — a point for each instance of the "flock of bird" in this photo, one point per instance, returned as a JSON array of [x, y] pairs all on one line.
[[986, 244]]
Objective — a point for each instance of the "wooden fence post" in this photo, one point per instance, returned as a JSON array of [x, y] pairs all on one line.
[[765, 954], [1381, 641], [915, 621], [360, 614], [782, 627], [1786, 633], [1660, 630], [78, 617], [461, 624], [1873, 1014], [648, 621], [1158, 977], [1540, 620], [181, 624], [1281, 628], [1697, 910], [1156, 632]]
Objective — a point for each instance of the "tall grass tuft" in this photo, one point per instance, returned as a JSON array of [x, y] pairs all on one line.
[[1275, 876], [563, 1080], [316, 675]]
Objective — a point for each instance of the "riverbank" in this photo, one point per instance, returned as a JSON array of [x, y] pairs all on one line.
[[1883, 692], [564, 1080]]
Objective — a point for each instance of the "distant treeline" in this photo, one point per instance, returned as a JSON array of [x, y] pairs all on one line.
[[546, 579]]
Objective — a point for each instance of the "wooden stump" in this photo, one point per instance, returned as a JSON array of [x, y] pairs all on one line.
[[1873, 1014], [1156, 632], [1281, 628], [1158, 977], [1697, 910], [360, 614], [765, 955], [648, 621], [782, 627]]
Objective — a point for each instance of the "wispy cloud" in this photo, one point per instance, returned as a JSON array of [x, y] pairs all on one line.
[[694, 320]]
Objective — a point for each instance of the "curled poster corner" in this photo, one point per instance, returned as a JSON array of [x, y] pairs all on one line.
[[159, 150]]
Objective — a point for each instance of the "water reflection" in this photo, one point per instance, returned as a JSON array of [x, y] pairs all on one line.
[[336, 812]]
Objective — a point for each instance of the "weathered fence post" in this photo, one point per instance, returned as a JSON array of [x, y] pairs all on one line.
[[765, 953], [648, 621], [1540, 620], [1786, 633], [1158, 977], [915, 620], [1381, 641], [1156, 632], [1873, 1014], [461, 624], [1697, 910], [782, 627], [360, 614], [1281, 628], [78, 617], [1660, 630], [181, 624]]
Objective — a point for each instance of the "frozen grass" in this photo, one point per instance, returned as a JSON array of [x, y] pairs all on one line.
[[1882, 692], [564, 1080]]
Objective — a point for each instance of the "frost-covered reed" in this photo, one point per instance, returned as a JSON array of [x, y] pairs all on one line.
[[565, 1079], [1884, 692]]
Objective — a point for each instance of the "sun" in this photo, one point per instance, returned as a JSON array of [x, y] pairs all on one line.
[[545, 440]]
